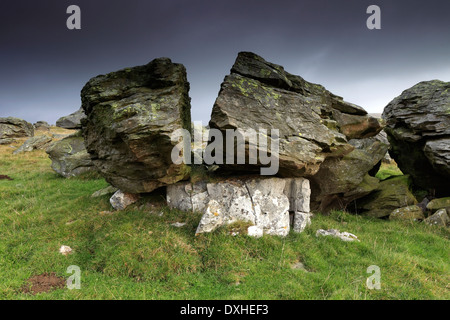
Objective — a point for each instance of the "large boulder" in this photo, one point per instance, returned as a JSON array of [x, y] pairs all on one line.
[[11, 127], [418, 128], [313, 123], [72, 121], [265, 203], [69, 156], [131, 117]]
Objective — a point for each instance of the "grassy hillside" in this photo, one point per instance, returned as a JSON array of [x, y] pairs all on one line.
[[137, 254]]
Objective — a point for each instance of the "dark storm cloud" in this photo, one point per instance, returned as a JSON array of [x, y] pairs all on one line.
[[44, 65]]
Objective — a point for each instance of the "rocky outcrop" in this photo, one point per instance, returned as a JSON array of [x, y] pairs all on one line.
[[131, 116], [313, 123], [72, 121], [265, 203], [34, 143], [69, 156], [418, 128], [11, 127]]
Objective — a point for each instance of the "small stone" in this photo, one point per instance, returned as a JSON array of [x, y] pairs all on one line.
[[255, 231], [299, 266], [65, 250], [178, 224], [120, 200], [344, 236], [104, 191]]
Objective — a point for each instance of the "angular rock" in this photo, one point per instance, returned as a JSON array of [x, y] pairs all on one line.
[[418, 128], [69, 156], [34, 143], [259, 202], [344, 236], [298, 192], [104, 191], [11, 127], [301, 221], [263, 202], [120, 200], [7, 141], [131, 117], [187, 196], [439, 218], [42, 125], [391, 194], [72, 121], [343, 180], [413, 213], [312, 122], [254, 231], [440, 203]]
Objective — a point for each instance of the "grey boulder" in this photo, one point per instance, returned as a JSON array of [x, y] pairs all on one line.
[[72, 121], [69, 156], [131, 116], [34, 143], [11, 127], [313, 123], [418, 128]]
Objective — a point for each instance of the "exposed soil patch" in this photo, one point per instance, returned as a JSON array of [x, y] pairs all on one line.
[[3, 177], [43, 283]]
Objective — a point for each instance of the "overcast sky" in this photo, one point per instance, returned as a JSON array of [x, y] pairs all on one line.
[[44, 65]]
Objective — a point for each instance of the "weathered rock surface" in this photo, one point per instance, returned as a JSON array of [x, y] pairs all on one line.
[[131, 116], [42, 125], [439, 203], [72, 121], [69, 156], [342, 180], [34, 143], [418, 128], [344, 236], [301, 221], [313, 123], [263, 202], [413, 213], [104, 191], [120, 200], [7, 141], [439, 218], [391, 194], [11, 127]]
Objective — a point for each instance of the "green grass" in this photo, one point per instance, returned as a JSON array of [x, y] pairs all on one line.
[[137, 254]]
